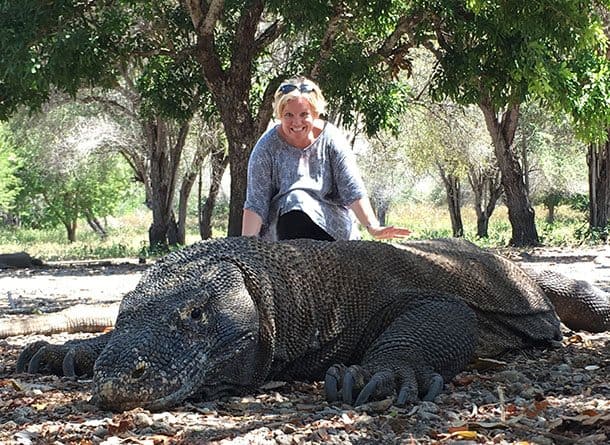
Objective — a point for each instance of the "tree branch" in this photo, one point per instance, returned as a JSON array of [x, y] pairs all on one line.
[[204, 21], [268, 36], [243, 49], [327, 43], [404, 27]]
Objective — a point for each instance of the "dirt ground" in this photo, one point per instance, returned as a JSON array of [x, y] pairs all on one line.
[[554, 396]]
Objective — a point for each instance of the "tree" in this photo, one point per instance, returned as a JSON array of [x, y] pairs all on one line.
[[598, 154], [496, 55], [242, 50], [69, 169], [598, 160], [9, 164], [211, 137], [134, 48], [484, 179], [386, 172], [552, 156]]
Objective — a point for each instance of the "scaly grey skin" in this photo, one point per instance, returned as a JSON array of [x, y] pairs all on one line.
[[77, 318], [589, 312], [371, 319]]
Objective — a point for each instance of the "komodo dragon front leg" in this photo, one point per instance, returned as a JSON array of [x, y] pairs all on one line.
[[73, 358], [421, 349]]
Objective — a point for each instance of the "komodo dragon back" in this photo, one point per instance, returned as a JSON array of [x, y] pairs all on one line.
[[371, 319]]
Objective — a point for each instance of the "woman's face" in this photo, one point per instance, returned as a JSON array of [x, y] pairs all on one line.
[[297, 122]]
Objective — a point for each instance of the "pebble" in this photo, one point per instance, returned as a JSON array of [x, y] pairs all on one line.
[[488, 397], [142, 420], [10, 425], [376, 406], [100, 432], [542, 440], [424, 415], [282, 439], [164, 417], [512, 376]]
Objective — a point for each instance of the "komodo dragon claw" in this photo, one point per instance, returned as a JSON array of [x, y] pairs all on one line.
[[67, 360], [357, 382], [73, 358]]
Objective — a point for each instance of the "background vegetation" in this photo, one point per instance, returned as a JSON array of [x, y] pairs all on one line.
[[487, 120]]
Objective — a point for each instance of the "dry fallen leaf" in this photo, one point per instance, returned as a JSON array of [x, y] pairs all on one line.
[[40, 406], [120, 426]]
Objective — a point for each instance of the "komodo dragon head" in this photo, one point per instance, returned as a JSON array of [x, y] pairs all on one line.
[[190, 329]]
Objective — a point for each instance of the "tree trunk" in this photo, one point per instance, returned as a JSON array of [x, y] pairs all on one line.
[[164, 162], [242, 134], [525, 164], [219, 160], [185, 190], [598, 159], [382, 213], [231, 85], [487, 189], [550, 216], [95, 224], [454, 201], [520, 211], [71, 230]]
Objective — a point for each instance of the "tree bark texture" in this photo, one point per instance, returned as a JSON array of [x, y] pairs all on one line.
[[219, 160], [454, 201], [502, 127], [71, 230], [95, 224], [598, 159], [487, 189]]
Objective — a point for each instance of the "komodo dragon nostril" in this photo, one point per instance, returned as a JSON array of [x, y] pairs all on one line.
[[139, 370]]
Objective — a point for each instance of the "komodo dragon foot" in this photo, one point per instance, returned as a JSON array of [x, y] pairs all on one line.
[[71, 359], [358, 386], [412, 358]]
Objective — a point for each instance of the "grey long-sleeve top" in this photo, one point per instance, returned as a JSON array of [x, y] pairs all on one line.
[[321, 180]]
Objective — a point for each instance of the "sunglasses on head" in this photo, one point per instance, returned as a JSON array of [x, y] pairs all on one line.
[[303, 88]]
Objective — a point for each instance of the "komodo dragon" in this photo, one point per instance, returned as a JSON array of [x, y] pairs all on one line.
[[18, 260], [371, 319]]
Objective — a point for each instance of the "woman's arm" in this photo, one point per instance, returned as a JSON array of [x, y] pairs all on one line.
[[251, 223], [364, 212], [259, 188]]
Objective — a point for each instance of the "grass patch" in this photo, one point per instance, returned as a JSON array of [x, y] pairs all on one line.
[[430, 221], [128, 234]]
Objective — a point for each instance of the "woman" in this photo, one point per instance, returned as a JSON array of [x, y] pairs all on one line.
[[303, 177]]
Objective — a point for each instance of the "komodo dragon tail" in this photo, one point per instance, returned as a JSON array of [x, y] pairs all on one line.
[[579, 305], [78, 318]]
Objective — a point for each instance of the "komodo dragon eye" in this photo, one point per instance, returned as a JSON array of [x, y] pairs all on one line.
[[196, 314]]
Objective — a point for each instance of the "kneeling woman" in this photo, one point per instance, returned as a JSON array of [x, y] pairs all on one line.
[[303, 178]]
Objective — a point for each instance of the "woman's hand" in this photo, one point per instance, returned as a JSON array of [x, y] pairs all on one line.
[[387, 232]]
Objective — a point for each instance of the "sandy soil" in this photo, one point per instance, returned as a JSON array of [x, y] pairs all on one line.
[[60, 285]]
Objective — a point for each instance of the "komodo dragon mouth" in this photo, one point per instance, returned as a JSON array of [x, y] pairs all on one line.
[[119, 393]]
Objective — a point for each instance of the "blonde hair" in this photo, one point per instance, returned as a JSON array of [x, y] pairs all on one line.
[[302, 87]]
